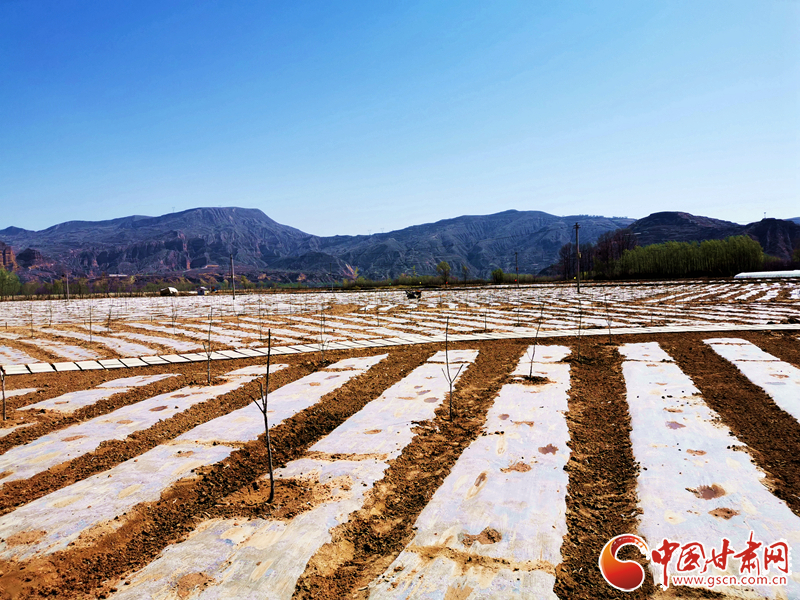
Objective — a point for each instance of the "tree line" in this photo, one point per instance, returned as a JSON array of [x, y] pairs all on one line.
[[617, 255]]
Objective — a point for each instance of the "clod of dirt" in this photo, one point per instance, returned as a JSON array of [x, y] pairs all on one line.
[[534, 380], [549, 449], [696, 452], [708, 492], [188, 583], [25, 537], [723, 513], [158, 408], [675, 425], [487, 536], [458, 593], [518, 466]]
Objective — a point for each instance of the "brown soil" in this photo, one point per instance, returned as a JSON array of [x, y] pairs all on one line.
[[113, 452], [784, 345], [772, 435], [487, 536], [87, 570], [534, 380], [601, 500], [52, 385], [517, 466], [32, 350], [363, 547], [723, 513], [708, 492]]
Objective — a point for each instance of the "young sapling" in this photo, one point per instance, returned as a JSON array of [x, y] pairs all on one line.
[[207, 346], [262, 403], [446, 370]]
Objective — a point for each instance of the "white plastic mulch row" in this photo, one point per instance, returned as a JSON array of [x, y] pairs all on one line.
[[62, 516], [175, 345], [120, 346], [68, 351], [12, 356], [504, 502], [693, 485], [780, 380], [20, 392], [72, 401], [257, 559], [215, 339], [71, 442]]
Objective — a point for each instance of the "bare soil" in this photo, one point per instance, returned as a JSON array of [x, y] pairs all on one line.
[[601, 501], [87, 569]]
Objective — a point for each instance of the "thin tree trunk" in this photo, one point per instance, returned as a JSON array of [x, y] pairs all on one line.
[[266, 421]]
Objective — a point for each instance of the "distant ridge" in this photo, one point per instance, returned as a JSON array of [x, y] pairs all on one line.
[[778, 237], [190, 241]]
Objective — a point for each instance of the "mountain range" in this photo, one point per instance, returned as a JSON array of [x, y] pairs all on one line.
[[203, 239]]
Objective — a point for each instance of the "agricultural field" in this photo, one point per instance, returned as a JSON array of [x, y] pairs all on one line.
[[471, 444]]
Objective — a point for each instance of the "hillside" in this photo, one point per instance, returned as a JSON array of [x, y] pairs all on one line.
[[195, 238], [204, 238], [174, 242], [778, 237]]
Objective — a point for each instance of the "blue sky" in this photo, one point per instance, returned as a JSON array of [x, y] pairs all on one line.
[[357, 117]]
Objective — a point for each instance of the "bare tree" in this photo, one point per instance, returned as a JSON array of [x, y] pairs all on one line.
[[261, 403], [535, 342], [446, 370], [322, 341], [110, 307], [174, 315], [260, 320], [207, 345]]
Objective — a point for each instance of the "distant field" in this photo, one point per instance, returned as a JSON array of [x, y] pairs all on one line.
[[667, 410]]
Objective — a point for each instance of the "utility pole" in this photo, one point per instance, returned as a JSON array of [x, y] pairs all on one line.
[[67, 275], [516, 264], [578, 256], [233, 280]]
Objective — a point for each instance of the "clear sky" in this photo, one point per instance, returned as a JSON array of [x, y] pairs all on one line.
[[355, 117]]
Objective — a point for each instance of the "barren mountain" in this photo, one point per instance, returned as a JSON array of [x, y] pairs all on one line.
[[682, 227], [199, 237], [206, 237]]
